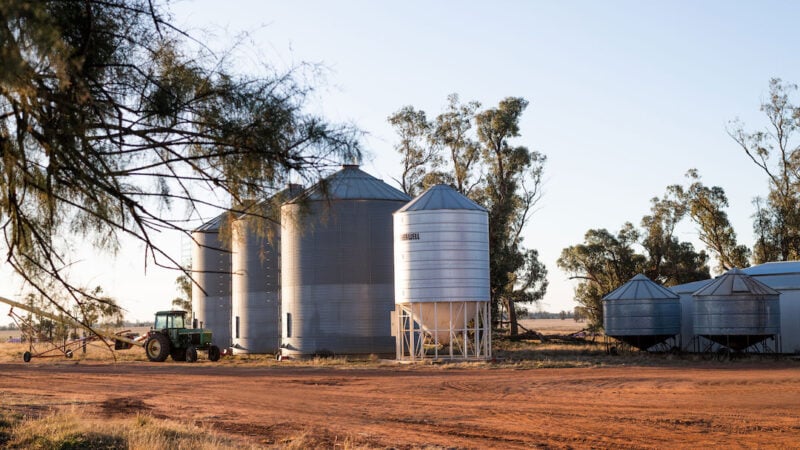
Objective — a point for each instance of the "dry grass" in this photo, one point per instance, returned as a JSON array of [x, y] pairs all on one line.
[[76, 427]]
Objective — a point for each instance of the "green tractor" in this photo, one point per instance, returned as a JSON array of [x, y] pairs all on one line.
[[170, 337]]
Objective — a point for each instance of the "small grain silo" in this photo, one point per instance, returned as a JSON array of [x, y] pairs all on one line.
[[737, 312], [255, 266], [337, 283], [441, 254], [211, 271], [643, 314]]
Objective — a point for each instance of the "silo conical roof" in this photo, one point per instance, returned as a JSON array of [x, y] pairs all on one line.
[[735, 282], [212, 225], [351, 183], [638, 288], [441, 196]]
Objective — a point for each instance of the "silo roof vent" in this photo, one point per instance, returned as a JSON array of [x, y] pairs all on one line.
[[639, 288]]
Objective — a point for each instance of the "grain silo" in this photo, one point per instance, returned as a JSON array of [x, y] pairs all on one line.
[[441, 245], [643, 314], [255, 266], [211, 271], [337, 284], [737, 312]]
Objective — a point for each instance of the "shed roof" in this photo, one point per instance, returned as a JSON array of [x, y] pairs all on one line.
[[441, 196], [774, 268], [351, 183], [735, 282], [639, 288]]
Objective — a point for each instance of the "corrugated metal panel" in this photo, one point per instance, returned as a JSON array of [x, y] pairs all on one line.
[[441, 196], [255, 317], [441, 256], [211, 267], [736, 304], [642, 307]]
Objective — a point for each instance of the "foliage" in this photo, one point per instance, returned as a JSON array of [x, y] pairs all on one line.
[[505, 178], [108, 119], [705, 206], [419, 157], [776, 151], [604, 261], [184, 286]]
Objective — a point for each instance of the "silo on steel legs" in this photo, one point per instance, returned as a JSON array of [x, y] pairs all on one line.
[[256, 309], [211, 290], [441, 244], [337, 283]]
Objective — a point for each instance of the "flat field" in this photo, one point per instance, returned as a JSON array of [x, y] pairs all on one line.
[[580, 399]]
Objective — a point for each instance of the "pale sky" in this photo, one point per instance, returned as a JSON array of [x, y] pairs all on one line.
[[625, 97]]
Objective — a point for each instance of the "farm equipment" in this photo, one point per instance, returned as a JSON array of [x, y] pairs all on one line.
[[170, 337]]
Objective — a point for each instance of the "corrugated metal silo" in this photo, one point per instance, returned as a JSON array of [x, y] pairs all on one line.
[[211, 270], [441, 245], [642, 313], [737, 311], [337, 282], [255, 266]]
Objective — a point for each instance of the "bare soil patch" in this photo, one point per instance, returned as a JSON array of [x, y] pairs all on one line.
[[693, 404]]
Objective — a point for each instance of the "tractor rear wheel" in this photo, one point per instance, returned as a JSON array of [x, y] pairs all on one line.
[[213, 353], [178, 354], [157, 347], [191, 354]]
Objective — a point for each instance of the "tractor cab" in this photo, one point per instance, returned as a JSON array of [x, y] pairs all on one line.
[[170, 323]]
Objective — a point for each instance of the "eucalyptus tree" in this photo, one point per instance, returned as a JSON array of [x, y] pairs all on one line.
[[476, 154], [419, 156], [706, 207], [108, 118], [511, 189], [602, 263], [776, 151], [452, 131]]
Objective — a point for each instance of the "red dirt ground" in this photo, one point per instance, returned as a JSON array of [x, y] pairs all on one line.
[[742, 405]]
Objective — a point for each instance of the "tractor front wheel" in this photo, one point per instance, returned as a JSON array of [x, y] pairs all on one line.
[[191, 354], [157, 347], [213, 353]]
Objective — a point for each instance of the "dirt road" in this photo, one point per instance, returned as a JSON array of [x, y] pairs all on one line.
[[735, 405]]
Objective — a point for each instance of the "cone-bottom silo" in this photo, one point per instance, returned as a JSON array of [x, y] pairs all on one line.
[[442, 300], [739, 313], [643, 314], [211, 271], [337, 283]]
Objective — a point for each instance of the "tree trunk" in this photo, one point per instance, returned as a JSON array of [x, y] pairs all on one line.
[[512, 317]]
